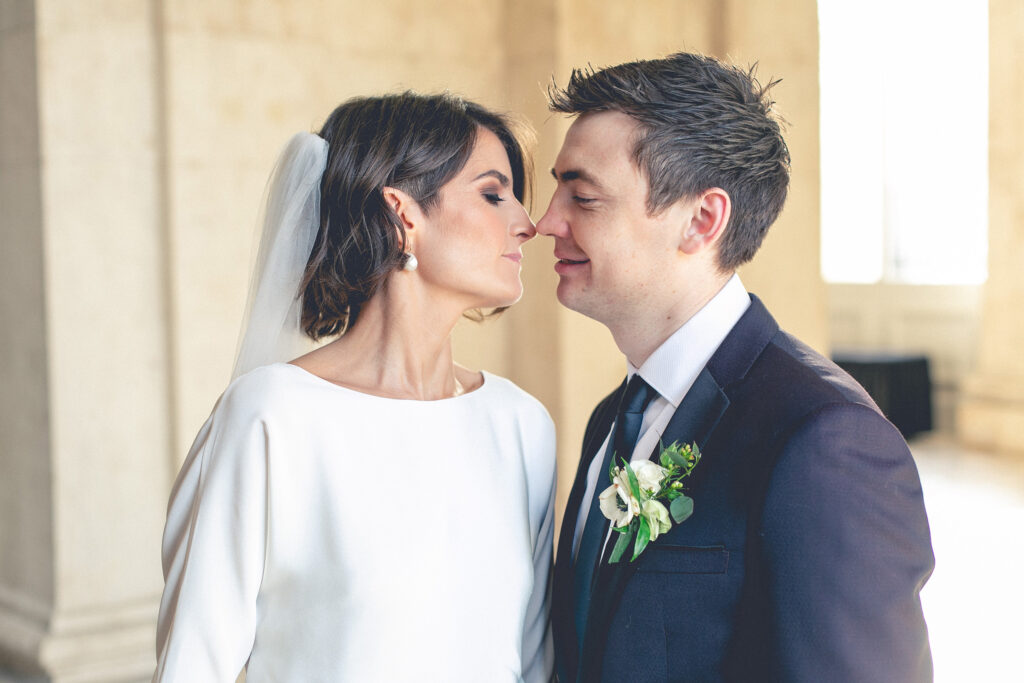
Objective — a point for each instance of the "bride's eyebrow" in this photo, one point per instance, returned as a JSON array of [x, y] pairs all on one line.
[[501, 177]]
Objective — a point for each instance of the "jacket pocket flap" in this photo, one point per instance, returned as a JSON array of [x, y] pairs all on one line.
[[678, 559]]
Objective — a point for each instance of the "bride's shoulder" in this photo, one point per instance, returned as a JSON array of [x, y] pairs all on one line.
[[510, 395], [240, 420], [535, 427], [261, 391], [266, 378]]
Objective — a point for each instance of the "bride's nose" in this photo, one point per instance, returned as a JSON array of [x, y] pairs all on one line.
[[522, 227]]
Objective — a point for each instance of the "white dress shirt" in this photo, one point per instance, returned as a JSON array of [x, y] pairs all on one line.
[[671, 370]]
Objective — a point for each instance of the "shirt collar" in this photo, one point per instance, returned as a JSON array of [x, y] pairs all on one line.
[[673, 367]]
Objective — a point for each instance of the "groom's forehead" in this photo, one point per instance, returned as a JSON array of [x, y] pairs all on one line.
[[599, 150], [593, 144], [604, 131]]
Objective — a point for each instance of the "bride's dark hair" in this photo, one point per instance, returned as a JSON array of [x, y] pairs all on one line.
[[415, 143]]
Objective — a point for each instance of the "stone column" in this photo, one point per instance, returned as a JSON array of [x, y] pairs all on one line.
[[85, 399], [782, 37], [26, 492], [991, 413]]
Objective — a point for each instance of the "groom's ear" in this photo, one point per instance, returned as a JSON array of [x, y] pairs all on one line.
[[710, 215]]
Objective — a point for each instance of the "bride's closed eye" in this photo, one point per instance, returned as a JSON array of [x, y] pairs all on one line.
[[493, 197]]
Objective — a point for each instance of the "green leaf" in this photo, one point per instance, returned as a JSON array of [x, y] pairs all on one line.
[[634, 485], [611, 469], [643, 537], [620, 546], [681, 509], [666, 460], [676, 456]]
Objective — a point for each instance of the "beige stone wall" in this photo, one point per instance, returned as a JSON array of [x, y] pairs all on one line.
[[135, 140], [531, 326]]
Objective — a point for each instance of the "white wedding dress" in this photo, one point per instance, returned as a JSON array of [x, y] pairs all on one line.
[[316, 533]]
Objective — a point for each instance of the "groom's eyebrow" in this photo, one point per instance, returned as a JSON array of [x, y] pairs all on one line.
[[575, 174]]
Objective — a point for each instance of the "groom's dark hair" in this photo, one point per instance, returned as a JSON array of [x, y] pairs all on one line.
[[702, 124]]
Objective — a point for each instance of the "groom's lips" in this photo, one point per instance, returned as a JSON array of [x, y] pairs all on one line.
[[567, 265]]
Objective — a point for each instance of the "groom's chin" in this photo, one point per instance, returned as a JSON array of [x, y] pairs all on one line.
[[569, 295]]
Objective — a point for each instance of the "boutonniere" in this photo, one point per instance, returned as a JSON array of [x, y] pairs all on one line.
[[635, 502]]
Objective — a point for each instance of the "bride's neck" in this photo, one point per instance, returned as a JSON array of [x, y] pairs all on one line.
[[399, 346]]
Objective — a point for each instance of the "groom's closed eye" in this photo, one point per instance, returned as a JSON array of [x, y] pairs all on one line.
[[576, 175]]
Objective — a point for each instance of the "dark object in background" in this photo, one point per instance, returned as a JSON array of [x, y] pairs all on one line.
[[900, 384]]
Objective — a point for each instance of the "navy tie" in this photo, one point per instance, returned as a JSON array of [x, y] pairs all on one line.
[[624, 435]]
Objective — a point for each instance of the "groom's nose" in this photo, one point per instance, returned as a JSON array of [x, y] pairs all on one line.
[[552, 223]]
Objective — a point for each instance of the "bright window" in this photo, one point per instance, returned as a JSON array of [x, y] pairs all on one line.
[[904, 136]]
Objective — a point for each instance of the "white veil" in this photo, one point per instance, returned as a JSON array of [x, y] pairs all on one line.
[[271, 328]]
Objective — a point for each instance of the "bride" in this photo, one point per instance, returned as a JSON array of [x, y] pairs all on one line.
[[371, 511]]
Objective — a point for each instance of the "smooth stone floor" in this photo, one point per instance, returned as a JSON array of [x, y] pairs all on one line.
[[974, 602]]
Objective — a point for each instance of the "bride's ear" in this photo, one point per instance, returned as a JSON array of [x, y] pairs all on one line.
[[407, 211], [404, 206]]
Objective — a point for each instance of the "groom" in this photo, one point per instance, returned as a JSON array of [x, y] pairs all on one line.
[[808, 542]]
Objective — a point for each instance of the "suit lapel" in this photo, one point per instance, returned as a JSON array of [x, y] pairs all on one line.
[[693, 421], [698, 414]]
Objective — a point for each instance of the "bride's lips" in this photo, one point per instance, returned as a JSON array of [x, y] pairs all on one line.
[[567, 265]]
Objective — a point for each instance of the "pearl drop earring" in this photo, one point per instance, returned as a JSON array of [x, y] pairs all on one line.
[[410, 262]]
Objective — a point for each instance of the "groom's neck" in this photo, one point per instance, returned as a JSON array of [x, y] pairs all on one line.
[[640, 333]]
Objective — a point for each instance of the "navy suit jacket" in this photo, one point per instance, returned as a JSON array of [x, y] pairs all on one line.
[[806, 551]]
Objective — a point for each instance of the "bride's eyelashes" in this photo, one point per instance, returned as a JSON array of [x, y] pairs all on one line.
[[493, 198]]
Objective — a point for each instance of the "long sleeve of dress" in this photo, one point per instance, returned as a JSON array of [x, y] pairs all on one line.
[[213, 550], [538, 649]]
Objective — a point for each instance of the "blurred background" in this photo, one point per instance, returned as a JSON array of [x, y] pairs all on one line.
[[135, 140]]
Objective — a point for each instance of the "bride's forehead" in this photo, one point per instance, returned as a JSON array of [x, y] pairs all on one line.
[[488, 154]]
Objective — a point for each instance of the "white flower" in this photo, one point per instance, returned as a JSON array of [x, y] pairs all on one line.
[[649, 475], [616, 502], [657, 518]]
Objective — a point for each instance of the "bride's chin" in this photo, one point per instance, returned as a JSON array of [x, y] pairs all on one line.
[[513, 296], [483, 296], [499, 301]]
